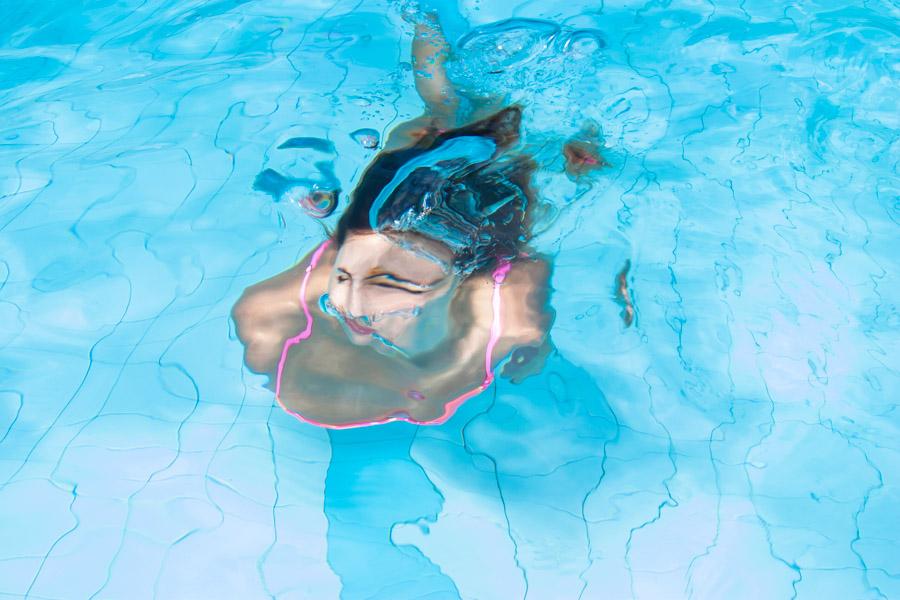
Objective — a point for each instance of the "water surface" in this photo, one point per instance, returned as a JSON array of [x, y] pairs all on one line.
[[739, 440]]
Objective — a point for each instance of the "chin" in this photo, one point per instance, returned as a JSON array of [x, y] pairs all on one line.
[[359, 339], [370, 339]]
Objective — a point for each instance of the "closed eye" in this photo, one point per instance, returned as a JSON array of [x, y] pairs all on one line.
[[388, 280], [392, 286]]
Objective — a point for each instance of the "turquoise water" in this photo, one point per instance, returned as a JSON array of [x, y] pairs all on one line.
[[738, 440]]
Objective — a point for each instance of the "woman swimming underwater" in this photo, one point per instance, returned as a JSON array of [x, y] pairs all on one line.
[[426, 285]]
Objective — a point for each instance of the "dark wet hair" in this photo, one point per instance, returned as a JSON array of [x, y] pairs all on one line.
[[480, 207]]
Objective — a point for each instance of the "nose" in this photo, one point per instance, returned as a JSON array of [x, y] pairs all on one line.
[[348, 300], [355, 305]]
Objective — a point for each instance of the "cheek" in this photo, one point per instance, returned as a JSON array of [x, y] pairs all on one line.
[[394, 327], [337, 294], [386, 301]]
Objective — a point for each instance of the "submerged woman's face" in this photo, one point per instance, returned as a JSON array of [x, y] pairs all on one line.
[[392, 291]]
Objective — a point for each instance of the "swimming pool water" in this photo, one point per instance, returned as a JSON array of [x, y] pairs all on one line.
[[739, 440]]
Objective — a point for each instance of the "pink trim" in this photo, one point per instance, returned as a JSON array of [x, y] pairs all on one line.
[[499, 275], [309, 321]]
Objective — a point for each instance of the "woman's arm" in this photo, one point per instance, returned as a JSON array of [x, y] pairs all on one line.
[[430, 51]]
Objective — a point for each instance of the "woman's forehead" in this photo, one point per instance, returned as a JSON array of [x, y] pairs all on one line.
[[400, 253]]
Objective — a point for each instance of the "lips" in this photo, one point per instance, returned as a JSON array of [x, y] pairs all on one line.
[[355, 327]]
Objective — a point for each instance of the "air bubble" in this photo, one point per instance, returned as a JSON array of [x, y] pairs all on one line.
[[583, 43], [315, 202], [367, 138]]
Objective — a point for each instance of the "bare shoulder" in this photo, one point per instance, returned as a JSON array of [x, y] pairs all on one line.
[[533, 272], [268, 312], [526, 315]]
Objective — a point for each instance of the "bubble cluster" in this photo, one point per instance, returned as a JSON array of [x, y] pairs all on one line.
[[510, 43], [517, 53]]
